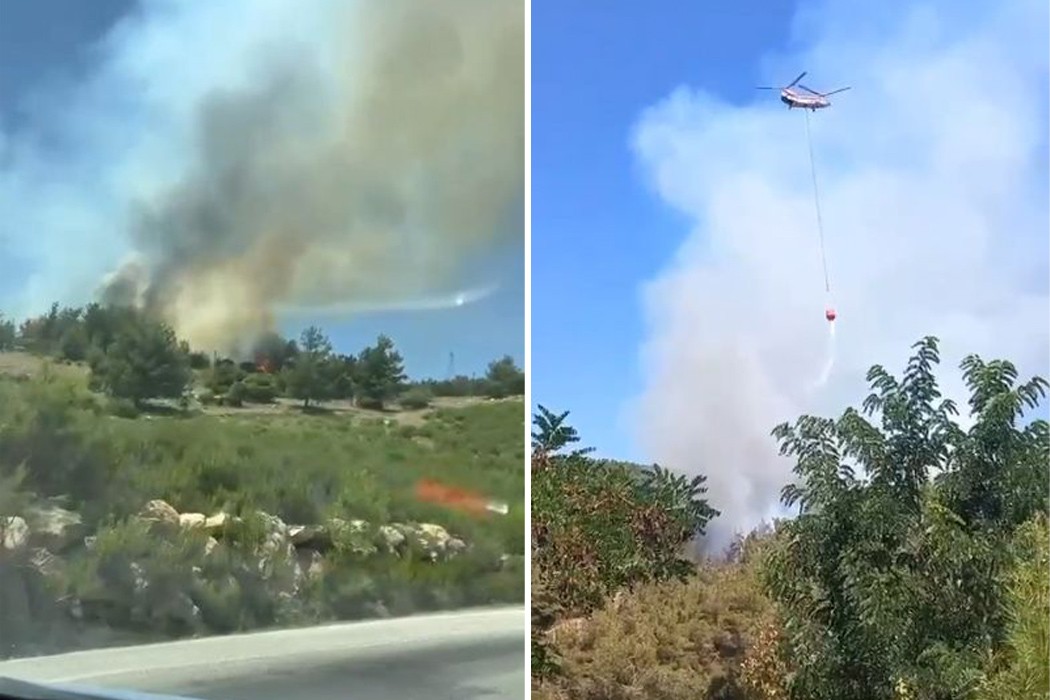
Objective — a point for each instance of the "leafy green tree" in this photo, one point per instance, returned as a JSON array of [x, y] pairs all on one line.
[[344, 377], [259, 388], [1022, 669], [222, 376], [74, 345], [8, 334], [416, 398], [504, 378], [380, 372], [200, 360], [551, 434], [102, 324], [460, 385], [309, 376], [997, 475], [41, 334], [599, 526], [62, 331], [145, 360], [890, 582], [236, 394]]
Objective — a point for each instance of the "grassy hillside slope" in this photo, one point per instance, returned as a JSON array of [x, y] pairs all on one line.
[[79, 488]]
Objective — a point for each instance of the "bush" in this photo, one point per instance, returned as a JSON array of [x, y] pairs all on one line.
[[1021, 669], [123, 408], [222, 376], [259, 388], [598, 527], [545, 660], [199, 360], [673, 640], [369, 404], [495, 390], [236, 395], [416, 399]]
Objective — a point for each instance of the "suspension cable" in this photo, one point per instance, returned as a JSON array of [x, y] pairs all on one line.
[[816, 203]]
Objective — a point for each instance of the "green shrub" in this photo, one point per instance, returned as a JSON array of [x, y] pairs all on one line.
[[1022, 669], [123, 408], [236, 395], [259, 388], [416, 398], [495, 390], [222, 376], [369, 403], [677, 640], [598, 527], [199, 360]]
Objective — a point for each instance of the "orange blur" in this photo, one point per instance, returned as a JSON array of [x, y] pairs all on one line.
[[451, 497]]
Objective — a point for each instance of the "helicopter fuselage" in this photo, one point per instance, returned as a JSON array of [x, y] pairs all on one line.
[[794, 100]]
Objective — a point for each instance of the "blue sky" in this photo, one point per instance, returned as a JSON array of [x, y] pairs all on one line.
[[50, 53], [597, 229]]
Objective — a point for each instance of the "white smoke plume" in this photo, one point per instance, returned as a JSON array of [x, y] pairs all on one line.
[[933, 174]]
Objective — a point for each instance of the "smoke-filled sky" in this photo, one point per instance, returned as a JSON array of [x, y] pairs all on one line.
[[934, 189], [246, 164]]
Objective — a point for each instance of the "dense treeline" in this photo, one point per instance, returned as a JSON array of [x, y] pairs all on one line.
[[134, 357], [916, 566]]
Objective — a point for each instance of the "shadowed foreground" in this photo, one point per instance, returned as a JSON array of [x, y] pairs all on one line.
[[464, 655]]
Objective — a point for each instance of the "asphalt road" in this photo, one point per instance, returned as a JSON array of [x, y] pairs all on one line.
[[465, 655]]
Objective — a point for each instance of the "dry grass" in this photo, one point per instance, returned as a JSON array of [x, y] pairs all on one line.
[[24, 364], [668, 641], [401, 416]]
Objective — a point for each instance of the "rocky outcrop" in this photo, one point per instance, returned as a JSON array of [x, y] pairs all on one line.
[[46, 525], [435, 541], [166, 571]]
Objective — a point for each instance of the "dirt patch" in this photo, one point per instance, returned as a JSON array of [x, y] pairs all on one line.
[[401, 416]]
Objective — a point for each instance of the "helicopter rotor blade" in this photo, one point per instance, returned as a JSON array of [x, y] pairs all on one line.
[[811, 91], [768, 88], [800, 77], [834, 92]]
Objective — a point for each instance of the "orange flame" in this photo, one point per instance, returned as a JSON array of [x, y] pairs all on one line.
[[452, 497]]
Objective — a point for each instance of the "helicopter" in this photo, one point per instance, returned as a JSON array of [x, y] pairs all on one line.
[[793, 98]]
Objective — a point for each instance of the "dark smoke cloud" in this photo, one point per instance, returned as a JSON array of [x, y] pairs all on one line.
[[370, 169]]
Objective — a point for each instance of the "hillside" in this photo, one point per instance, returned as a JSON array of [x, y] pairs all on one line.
[[131, 519]]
